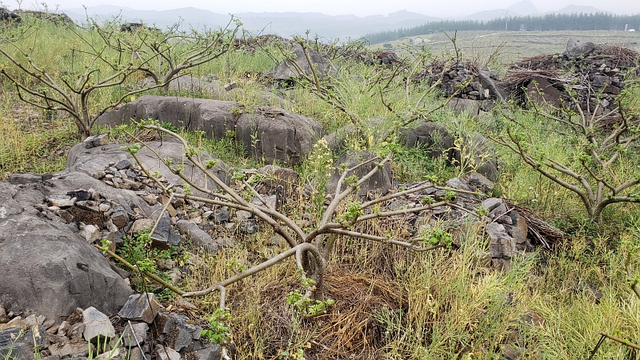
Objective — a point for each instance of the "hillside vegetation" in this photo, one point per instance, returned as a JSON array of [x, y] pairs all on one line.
[[552, 303]]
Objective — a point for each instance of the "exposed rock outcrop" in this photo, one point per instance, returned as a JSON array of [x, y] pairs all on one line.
[[46, 266], [289, 70], [268, 133]]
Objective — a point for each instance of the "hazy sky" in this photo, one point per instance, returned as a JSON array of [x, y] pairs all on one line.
[[439, 8]]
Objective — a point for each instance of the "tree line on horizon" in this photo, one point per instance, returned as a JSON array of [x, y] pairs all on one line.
[[549, 22]]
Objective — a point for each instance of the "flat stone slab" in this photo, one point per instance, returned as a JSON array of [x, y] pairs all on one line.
[[140, 307], [96, 325]]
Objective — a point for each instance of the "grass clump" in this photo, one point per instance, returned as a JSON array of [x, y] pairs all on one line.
[[30, 142]]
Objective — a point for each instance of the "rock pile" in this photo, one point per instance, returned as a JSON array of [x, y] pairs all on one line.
[[203, 223], [479, 84], [386, 57], [15, 16], [142, 328], [595, 72], [507, 228], [6, 15], [207, 226]]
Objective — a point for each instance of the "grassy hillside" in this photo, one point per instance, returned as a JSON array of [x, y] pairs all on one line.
[[515, 45], [445, 304]]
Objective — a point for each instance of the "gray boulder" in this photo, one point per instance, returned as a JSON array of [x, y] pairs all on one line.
[[484, 157], [576, 47], [379, 183], [291, 69], [377, 127], [479, 156], [337, 140], [215, 117], [46, 266], [276, 135], [489, 80], [269, 98], [433, 136], [268, 133], [468, 106]]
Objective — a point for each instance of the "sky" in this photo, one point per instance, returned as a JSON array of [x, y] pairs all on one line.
[[437, 8]]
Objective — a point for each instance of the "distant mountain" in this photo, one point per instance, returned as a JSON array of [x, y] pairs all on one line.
[[284, 24], [521, 8], [491, 14], [576, 9], [524, 7], [162, 19], [289, 23]]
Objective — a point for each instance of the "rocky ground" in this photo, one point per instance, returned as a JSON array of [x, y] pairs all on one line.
[[63, 292], [59, 292]]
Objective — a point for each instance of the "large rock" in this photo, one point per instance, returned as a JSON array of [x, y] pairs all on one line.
[[337, 140], [576, 47], [268, 133], [291, 69], [215, 117], [484, 157], [433, 136], [468, 106], [46, 266], [276, 135], [377, 127], [379, 183], [541, 92], [490, 80]]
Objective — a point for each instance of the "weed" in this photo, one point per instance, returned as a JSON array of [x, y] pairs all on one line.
[[217, 332]]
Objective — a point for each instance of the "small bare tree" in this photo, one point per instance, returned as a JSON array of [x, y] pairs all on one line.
[[102, 58], [172, 51], [593, 171], [313, 248]]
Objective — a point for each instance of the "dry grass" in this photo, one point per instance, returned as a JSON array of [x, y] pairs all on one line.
[[348, 330]]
